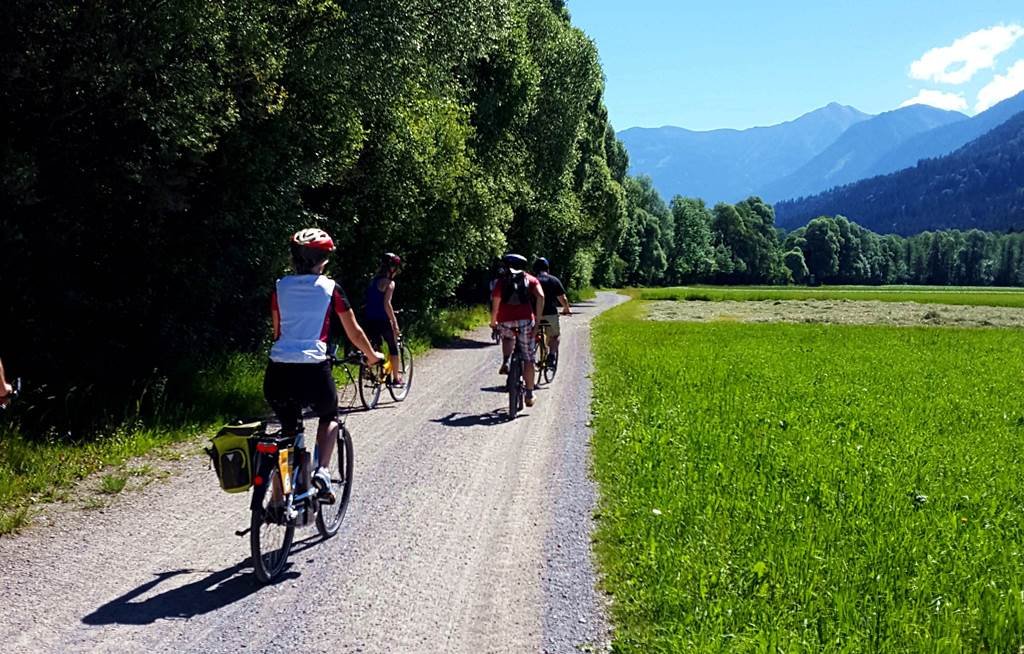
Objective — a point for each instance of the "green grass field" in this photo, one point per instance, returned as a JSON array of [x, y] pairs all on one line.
[[807, 488], [973, 295]]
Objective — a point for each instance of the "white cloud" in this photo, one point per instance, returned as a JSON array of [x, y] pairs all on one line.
[[947, 101], [958, 63], [1002, 87]]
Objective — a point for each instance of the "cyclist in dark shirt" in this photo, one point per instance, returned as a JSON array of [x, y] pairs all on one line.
[[554, 294], [381, 324]]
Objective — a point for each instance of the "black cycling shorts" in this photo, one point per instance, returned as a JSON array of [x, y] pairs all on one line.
[[378, 330], [291, 387]]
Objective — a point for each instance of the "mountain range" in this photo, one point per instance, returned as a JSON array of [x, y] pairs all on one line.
[[829, 147], [980, 185], [854, 155], [729, 164]]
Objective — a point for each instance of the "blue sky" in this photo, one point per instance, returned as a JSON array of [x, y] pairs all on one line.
[[741, 63]]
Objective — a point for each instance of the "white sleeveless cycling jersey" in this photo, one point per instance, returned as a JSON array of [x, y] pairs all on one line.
[[305, 304]]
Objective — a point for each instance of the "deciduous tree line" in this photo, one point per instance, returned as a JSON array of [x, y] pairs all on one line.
[[687, 242]]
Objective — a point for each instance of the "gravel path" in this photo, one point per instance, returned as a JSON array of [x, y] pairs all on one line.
[[466, 533]]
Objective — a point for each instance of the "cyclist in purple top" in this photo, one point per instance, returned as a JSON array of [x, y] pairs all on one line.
[[381, 324]]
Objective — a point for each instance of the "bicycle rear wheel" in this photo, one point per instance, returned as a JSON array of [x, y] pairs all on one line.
[[330, 516], [369, 386], [270, 534], [405, 358], [515, 402], [550, 368]]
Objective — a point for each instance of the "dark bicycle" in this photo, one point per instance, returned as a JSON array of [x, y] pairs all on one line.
[[514, 382], [547, 364], [285, 496]]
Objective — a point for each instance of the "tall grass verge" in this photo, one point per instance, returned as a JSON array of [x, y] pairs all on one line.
[[42, 468], [581, 294]]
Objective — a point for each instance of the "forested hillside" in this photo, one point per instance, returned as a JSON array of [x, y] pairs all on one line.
[[156, 157], [979, 186], [944, 140]]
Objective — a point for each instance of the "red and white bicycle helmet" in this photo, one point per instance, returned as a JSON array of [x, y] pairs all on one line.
[[310, 246], [313, 238]]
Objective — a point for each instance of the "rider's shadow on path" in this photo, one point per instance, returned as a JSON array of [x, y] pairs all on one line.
[[215, 591], [488, 419]]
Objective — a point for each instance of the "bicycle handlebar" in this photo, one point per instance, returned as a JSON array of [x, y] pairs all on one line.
[[355, 358]]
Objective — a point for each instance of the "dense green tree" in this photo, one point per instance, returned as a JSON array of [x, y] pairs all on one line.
[[821, 249], [692, 254], [794, 261]]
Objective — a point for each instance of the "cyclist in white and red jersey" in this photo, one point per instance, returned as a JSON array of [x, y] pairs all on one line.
[[299, 372]]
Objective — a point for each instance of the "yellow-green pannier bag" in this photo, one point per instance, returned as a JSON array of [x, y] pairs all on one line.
[[232, 451]]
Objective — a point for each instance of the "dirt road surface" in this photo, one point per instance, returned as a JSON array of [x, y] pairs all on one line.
[[466, 533]]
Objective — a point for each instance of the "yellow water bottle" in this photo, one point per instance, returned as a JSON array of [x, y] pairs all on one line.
[[285, 467]]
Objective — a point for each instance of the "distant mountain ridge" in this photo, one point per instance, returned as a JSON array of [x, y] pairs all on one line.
[[855, 154], [729, 164], [803, 157], [981, 186]]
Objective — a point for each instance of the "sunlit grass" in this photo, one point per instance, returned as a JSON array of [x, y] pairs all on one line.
[[807, 488]]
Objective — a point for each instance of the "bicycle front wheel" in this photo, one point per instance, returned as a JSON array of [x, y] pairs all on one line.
[[541, 364], [369, 386], [329, 518], [405, 361], [270, 533]]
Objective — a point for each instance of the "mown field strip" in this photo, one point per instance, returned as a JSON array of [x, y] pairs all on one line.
[[970, 295], [810, 488]]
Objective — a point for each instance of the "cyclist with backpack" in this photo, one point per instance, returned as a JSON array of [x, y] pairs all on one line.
[[516, 301], [381, 324], [554, 295], [298, 375]]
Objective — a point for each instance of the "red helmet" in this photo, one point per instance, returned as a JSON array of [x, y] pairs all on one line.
[[390, 260], [313, 238]]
